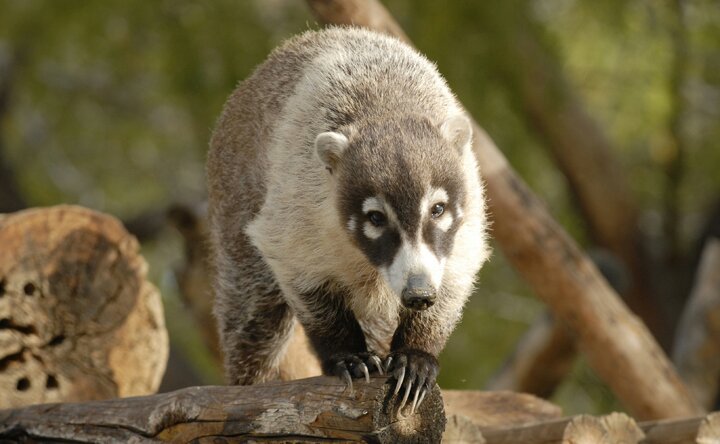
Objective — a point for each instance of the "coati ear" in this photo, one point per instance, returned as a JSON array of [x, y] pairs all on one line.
[[329, 147], [457, 130]]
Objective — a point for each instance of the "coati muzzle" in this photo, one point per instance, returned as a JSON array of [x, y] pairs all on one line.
[[418, 294]]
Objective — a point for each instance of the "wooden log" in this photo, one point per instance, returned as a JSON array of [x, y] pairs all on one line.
[[583, 429], [308, 410], [697, 341], [500, 408], [542, 358], [696, 430], [617, 345], [78, 319]]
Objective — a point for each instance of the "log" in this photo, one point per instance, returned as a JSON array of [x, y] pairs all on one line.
[[697, 340], [308, 410], [700, 430], [78, 318], [582, 429], [617, 345], [500, 408], [609, 429]]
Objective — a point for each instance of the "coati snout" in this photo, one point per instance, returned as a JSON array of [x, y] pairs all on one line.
[[418, 294]]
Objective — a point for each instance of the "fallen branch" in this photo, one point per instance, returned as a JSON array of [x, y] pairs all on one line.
[[311, 409], [618, 346]]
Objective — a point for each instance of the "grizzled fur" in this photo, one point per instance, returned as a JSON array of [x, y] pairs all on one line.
[[289, 220]]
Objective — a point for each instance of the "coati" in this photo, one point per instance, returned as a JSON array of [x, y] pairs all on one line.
[[343, 192]]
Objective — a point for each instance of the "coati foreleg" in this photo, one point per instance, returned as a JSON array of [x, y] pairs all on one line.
[[336, 335], [416, 344]]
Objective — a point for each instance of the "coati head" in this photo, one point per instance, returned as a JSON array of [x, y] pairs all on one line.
[[401, 194]]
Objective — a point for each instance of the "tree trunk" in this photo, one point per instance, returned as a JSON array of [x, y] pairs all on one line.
[[78, 319]]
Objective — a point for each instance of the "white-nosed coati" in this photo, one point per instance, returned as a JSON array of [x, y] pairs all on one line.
[[344, 193]]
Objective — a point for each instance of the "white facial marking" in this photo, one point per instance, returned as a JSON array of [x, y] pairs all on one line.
[[431, 265], [372, 204], [411, 260], [352, 224], [445, 221], [432, 197], [371, 231], [437, 195]]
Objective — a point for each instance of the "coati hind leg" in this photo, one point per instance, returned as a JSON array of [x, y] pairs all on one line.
[[254, 320]]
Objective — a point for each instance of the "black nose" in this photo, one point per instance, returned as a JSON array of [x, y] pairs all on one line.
[[418, 293]]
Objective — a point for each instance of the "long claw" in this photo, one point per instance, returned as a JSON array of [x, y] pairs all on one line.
[[399, 381], [375, 360], [415, 399], [387, 363], [348, 380], [405, 397], [364, 369], [422, 396]]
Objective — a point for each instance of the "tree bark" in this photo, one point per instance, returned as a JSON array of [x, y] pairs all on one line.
[[697, 340], [78, 318], [309, 410], [617, 345]]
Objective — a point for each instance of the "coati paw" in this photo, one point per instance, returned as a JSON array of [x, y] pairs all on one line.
[[415, 372], [354, 365]]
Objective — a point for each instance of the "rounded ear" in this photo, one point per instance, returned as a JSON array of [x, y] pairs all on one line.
[[329, 147], [457, 130]]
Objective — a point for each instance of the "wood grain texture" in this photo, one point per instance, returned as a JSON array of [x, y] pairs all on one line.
[[78, 319], [308, 410], [617, 345]]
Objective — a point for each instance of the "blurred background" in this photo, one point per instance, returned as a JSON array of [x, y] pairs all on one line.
[[111, 104]]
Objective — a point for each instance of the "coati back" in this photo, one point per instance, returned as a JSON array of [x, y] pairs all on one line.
[[343, 193]]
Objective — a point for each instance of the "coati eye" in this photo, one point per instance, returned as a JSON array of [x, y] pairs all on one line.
[[437, 210], [377, 218]]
